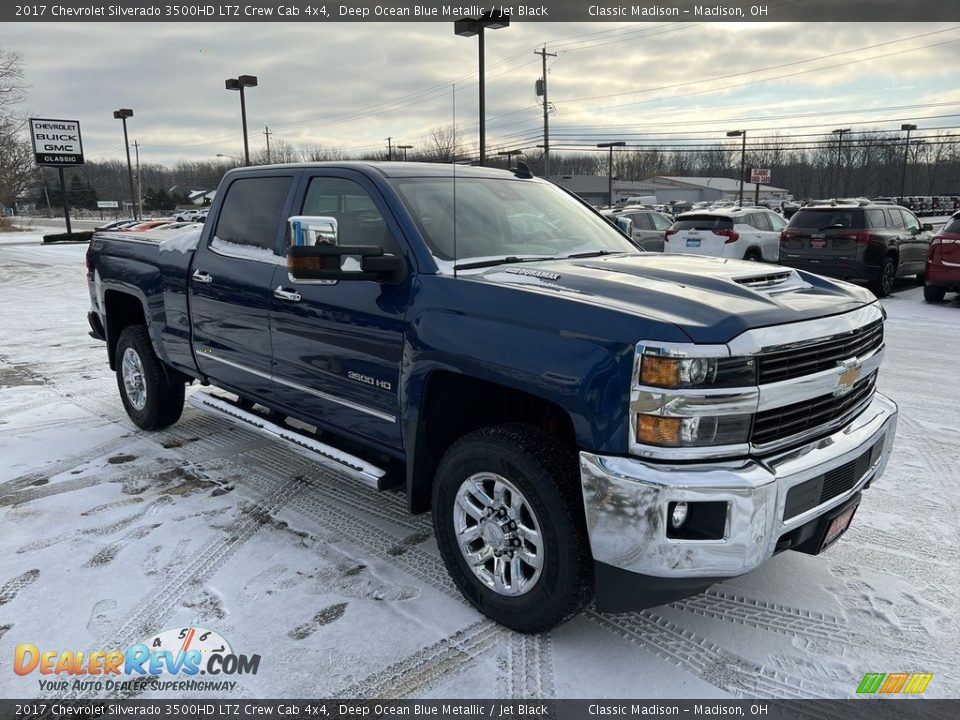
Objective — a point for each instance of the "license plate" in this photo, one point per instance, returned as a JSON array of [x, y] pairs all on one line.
[[814, 243], [838, 527], [693, 242]]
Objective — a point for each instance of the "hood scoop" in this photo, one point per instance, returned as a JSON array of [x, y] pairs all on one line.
[[773, 283]]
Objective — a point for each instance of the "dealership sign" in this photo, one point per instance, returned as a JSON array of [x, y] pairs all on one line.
[[108, 204], [56, 142], [760, 175]]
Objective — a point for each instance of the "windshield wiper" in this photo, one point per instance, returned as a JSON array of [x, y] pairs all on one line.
[[503, 261], [835, 226], [594, 253]]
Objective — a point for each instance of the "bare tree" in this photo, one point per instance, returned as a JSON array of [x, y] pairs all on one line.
[[16, 155], [444, 144]]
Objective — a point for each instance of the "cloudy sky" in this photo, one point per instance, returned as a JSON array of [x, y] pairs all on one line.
[[351, 85]]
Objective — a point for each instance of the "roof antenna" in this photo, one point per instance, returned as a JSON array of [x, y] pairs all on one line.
[[522, 170], [454, 219]]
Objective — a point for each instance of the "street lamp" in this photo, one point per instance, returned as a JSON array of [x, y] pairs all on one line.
[[239, 83], [509, 154], [468, 27], [611, 145], [404, 148], [743, 157], [839, 132], [122, 114], [906, 151]]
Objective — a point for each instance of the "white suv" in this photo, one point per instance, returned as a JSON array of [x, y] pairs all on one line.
[[744, 233]]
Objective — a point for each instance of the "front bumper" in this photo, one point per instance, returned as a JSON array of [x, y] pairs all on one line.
[[626, 500]]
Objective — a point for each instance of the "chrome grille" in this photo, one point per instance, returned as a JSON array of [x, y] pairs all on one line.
[[826, 411], [787, 363]]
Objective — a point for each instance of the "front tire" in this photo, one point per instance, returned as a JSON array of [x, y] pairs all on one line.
[[152, 398], [508, 521]]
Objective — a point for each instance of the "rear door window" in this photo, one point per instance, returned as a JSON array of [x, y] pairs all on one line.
[[660, 222], [895, 218], [642, 221], [876, 219], [251, 214], [760, 221]]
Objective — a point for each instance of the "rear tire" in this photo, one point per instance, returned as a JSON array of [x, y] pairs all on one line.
[[752, 255], [934, 293], [531, 567], [153, 398], [883, 285]]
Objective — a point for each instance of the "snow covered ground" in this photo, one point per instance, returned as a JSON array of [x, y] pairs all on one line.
[[109, 535]]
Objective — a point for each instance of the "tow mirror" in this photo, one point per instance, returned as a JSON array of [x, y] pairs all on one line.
[[315, 255]]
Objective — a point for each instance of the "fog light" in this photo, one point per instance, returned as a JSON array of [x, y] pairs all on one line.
[[679, 515]]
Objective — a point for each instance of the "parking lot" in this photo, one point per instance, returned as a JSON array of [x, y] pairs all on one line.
[[112, 535]]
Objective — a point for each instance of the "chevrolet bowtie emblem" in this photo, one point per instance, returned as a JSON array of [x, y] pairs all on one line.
[[849, 376]]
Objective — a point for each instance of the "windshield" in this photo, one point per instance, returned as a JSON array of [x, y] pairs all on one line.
[[501, 218]]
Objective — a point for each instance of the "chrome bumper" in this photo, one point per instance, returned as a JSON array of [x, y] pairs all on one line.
[[626, 500]]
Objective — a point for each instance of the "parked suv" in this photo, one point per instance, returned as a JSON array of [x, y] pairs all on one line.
[[741, 233], [645, 227], [943, 262], [857, 241]]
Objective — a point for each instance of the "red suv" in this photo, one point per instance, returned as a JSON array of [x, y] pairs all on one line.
[[942, 273]]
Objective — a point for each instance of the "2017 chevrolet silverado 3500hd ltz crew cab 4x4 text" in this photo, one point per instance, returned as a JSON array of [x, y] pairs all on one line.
[[582, 418]]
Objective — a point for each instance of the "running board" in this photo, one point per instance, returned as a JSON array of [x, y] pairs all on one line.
[[327, 455]]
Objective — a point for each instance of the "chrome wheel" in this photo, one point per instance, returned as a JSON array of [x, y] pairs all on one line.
[[133, 382], [498, 534]]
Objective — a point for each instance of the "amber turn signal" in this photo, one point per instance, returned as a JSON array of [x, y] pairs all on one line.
[[658, 430], [660, 371]]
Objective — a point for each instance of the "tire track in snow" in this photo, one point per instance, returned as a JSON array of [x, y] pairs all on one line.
[[707, 660], [13, 587], [762, 615], [430, 665]]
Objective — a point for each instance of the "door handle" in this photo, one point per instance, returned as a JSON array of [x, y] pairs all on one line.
[[203, 277], [288, 295]]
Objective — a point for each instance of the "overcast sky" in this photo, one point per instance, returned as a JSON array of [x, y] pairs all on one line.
[[351, 85]]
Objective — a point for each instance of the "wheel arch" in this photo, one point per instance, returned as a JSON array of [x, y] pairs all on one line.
[[452, 404]]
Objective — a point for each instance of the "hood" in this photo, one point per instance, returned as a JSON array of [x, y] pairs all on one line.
[[712, 300]]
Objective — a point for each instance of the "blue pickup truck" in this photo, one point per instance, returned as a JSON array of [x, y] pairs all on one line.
[[582, 418]]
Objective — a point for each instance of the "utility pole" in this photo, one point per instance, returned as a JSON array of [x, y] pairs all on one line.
[[546, 110], [389, 149], [906, 153], [136, 147], [267, 134], [611, 146]]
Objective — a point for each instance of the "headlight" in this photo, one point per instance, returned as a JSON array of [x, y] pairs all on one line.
[[696, 372], [699, 431]]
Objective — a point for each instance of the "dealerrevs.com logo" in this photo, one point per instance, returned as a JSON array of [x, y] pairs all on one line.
[[196, 659]]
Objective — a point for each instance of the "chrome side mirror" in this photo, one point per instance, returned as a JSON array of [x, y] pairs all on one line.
[[312, 230]]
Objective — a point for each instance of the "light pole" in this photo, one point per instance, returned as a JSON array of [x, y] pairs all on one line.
[[468, 27], [839, 132], [743, 157], [239, 83], [906, 152], [611, 145], [122, 114], [509, 154], [404, 148]]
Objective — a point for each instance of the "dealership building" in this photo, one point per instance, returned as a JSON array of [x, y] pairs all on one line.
[[666, 188]]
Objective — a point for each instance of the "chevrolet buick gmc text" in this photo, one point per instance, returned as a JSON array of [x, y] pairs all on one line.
[[581, 417]]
